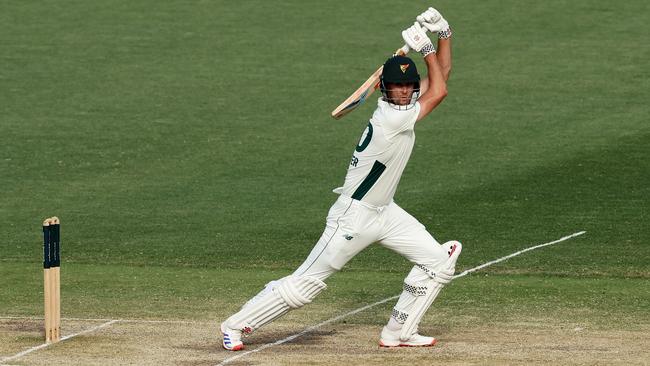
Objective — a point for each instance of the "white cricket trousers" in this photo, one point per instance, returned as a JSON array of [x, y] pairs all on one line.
[[353, 225]]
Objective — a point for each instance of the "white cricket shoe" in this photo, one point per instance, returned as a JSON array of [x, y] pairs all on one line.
[[391, 339], [231, 338]]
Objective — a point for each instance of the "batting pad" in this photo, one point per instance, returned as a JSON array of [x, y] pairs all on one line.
[[437, 280], [299, 291], [288, 293]]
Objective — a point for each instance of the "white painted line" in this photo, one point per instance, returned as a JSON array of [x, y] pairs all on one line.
[[146, 321], [21, 354], [45, 345], [310, 329], [353, 312], [41, 318], [162, 321], [90, 330], [106, 323], [518, 253]]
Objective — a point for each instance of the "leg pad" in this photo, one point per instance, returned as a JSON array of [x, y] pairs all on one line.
[[275, 300], [438, 279]]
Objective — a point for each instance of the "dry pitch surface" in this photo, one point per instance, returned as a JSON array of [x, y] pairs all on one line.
[[527, 342]]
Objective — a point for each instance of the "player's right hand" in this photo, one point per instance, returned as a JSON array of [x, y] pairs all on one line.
[[430, 16], [416, 37], [434, 22]]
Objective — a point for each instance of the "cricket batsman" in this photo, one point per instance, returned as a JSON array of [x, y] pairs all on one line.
[[365, 212]]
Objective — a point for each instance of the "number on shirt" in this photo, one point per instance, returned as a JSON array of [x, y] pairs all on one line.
[[365, 141]]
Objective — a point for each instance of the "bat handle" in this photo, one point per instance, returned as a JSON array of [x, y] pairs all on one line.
[[403, 50]]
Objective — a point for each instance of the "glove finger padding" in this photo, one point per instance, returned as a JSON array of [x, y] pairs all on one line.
[[431, 15], [431, 27], [433, 21], [415, 37]]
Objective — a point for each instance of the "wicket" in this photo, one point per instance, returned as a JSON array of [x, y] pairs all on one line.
[[52, 279]]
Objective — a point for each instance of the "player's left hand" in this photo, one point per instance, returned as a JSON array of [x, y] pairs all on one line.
[[417, 39]]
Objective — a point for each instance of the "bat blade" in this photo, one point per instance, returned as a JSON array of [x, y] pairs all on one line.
[[359, 96], [365, 90]]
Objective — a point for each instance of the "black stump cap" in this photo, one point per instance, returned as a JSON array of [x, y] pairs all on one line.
[[400, 69]]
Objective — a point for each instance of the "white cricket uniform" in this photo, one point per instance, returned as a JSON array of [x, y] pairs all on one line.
[[365, 212]]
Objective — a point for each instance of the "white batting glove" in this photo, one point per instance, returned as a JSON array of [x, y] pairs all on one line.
[[433, 21], [430, 15], [417, 39]]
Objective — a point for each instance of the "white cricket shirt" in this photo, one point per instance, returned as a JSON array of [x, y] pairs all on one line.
[[381, 155]]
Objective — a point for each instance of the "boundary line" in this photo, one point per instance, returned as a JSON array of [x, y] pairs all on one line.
[[353, 312]]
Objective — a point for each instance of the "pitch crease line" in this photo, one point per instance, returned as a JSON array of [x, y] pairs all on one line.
[[41, 318], [143, 321], [353, 312], [45, 345]]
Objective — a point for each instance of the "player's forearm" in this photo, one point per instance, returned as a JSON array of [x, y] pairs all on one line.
[[444, 56], [436, 87], [424, 83]]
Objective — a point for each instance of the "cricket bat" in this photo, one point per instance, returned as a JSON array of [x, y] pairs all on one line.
[[365, 90]]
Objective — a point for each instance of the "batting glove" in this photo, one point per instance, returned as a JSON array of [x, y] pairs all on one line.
[[417, 39], [433, 21]]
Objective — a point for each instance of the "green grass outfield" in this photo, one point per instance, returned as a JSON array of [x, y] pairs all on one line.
[[188, 150]]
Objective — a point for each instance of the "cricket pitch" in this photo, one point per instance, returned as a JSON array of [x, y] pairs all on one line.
[[197, 343]]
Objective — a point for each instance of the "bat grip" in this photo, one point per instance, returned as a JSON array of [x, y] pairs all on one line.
[[403, 50]]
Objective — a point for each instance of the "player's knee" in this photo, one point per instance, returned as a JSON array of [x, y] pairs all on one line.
[[451, 246], [438, 254], [299, 291]]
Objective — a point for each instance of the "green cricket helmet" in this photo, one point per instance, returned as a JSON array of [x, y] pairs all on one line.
[[400, 70]]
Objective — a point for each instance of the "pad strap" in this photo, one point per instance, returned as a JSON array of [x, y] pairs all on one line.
[[399, 316], [443, 276], [414, 289]]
